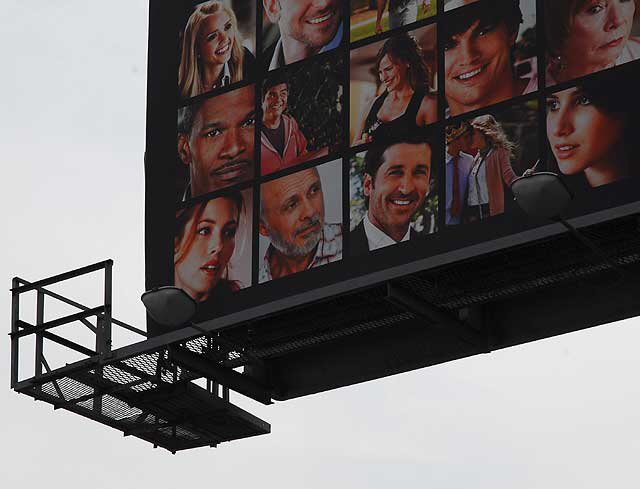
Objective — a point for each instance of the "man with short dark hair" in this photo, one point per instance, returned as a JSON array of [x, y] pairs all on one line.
[[307, 27], [479, 40], [216, 141], [458, 163], [396, 183], [282, 141], [292, 217]]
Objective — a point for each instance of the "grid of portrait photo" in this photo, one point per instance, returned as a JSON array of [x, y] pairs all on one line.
[[313, 133]]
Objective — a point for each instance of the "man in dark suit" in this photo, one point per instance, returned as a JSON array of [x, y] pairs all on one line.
[[307, 27], [396, 183]]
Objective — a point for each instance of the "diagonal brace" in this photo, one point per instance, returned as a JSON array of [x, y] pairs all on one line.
[[437, 317], [31, 329]]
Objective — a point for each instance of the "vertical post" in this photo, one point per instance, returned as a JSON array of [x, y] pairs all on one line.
[[209, 381], [15, 315], [105, 331], [97, 400], [39, 339]]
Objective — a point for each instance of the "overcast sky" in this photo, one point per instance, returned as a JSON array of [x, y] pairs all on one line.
[[559, 413]]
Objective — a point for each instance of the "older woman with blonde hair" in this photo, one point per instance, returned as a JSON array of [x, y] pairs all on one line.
[[588, 36], [212, 52], [491, 169]]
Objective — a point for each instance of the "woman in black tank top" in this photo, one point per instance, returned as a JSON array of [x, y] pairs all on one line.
[[405, 107]]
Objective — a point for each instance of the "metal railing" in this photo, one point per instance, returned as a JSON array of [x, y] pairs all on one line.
[[42, 330]]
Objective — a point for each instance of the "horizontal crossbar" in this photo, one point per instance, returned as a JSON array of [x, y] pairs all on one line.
[[61, 277], [31, 329], [82, 307]]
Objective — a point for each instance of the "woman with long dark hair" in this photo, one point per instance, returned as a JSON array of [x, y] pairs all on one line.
[[592, 130], [204, 244], [406, 105]]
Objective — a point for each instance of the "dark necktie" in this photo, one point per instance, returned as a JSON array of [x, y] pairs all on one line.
[[455, 204]]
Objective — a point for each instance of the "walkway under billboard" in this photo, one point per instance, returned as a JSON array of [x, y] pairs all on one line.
[[173, 389]]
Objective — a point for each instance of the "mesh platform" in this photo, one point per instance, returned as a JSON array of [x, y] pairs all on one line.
[[144, 399]]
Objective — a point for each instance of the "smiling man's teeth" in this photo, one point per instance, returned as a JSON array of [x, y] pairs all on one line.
[[317, 20], [466, 76], [401, 202]]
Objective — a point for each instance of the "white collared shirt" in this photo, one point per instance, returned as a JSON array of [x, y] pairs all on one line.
[[376, 238], [478, 188], [329, 249], [225, 77]]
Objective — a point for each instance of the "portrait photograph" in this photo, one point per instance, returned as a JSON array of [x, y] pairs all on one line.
[[212, 248], [216, 143], [300, 221], [371, 17], [490, 53], [484, 155], [393, 87], [302, 116], [584, 37], [592, 133], [393, 193], [293, 30], [217, 45]]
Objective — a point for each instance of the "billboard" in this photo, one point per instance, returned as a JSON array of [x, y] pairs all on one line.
[[298, 150]]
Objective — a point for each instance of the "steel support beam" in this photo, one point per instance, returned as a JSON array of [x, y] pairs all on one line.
[[82, 307], [55, 381], [441, 319], [19, 289], [68, 343], [104, 322], [15, 329], [39, 336], [225, 376], [31, 329], [103, 392]]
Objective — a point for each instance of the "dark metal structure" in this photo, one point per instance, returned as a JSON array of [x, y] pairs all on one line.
[[555, 285], [147, 394]]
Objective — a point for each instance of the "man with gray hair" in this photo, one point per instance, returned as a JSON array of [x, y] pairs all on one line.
[[292, 217]]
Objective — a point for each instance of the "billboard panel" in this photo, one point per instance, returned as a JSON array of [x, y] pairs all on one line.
[[298, 150]]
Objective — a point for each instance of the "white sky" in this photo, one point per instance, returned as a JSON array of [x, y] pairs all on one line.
[[559, 413]]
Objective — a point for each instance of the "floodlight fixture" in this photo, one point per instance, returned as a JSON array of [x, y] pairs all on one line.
[[541, 195], [545, 196], [169, 306]]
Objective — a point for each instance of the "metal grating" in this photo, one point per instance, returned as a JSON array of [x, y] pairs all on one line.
[[143, 398], [540, 264], [553, 261]]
